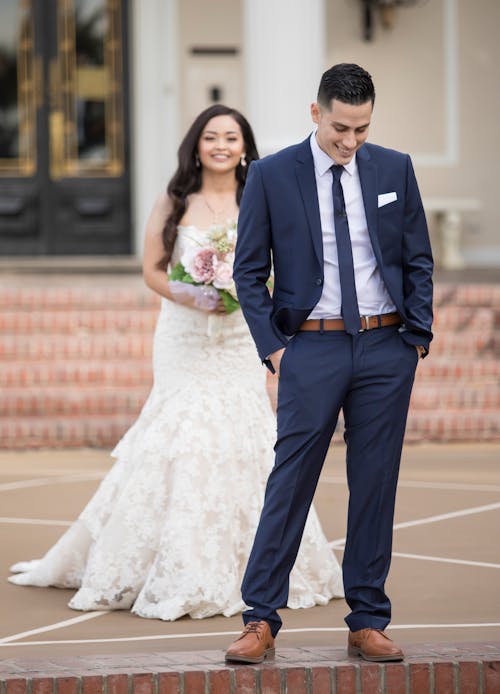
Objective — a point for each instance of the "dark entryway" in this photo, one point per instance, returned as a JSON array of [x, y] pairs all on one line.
[[64, 165]]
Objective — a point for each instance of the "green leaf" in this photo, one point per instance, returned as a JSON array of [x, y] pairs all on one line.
[[179, 274], [230, 303]]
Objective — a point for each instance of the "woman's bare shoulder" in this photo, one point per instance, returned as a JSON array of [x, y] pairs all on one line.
[[161, 209], [163, 203]]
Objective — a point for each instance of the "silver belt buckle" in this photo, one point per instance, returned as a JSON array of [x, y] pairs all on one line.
[[366, 320]]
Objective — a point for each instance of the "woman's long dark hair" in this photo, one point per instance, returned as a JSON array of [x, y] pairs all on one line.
[[187, 178]]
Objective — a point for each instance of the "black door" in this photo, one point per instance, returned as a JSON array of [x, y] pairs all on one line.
[[64, 173]]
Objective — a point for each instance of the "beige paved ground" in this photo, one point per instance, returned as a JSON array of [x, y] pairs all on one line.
[[445, 578]]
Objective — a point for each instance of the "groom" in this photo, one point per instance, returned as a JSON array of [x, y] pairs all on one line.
[[341, 222]]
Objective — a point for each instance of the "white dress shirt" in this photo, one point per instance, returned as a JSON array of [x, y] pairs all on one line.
[[373, 297]]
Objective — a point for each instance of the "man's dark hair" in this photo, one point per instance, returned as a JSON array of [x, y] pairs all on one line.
[[346, 82]]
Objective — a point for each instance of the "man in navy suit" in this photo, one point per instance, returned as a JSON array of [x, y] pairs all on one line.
[[341, 222]]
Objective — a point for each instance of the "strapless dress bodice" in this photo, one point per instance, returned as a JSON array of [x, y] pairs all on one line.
[[189, 236]]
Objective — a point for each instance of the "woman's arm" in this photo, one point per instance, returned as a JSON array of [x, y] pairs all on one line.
[[154, 277], [200, 298]]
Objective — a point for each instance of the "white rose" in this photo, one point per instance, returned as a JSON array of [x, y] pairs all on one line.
[[223, 275]]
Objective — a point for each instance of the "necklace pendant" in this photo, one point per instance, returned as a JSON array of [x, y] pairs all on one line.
[[219, 217]]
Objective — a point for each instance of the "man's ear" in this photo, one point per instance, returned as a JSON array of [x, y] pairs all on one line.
[[315, 112]]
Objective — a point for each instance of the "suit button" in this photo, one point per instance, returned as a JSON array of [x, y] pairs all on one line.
[[319, 281]]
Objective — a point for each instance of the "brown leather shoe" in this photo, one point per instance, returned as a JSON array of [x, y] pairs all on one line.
[[253, 646], [373, 644]]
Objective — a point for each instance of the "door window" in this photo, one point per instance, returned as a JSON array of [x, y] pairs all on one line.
[[64, 176], [86, 113], [19, 89]]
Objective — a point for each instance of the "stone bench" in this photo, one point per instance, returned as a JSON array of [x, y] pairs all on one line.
[[448, 217]]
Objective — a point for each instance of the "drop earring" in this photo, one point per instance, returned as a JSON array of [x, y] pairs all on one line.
[[197, 161], [243, 160]]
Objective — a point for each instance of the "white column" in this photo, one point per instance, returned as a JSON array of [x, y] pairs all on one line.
[[284, 59], [450, 224], [154, 71]]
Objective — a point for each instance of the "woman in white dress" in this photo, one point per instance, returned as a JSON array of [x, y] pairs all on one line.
[[169, 530]]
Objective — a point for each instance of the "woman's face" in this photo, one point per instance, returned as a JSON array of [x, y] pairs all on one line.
[[221, 144]]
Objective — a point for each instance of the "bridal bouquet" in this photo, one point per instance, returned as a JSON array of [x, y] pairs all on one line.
[[209, 268]]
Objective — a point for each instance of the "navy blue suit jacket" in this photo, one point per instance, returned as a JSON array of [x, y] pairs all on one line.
[[279, 225]]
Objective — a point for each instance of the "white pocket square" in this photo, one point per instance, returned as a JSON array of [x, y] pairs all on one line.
[[385, 198]]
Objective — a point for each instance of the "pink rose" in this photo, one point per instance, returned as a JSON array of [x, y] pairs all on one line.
[[223, 275], [202, 266]]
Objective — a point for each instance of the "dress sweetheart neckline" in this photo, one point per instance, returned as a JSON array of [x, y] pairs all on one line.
[[190, 226], [193, 226]]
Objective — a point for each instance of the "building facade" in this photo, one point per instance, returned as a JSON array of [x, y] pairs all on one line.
[[96, 94]]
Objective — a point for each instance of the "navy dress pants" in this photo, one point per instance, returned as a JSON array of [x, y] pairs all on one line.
[[370, 376]]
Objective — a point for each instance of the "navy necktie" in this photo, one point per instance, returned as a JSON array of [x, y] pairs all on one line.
[[350, 310]]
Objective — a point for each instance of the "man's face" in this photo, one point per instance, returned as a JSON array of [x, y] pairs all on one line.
[[342, 128]]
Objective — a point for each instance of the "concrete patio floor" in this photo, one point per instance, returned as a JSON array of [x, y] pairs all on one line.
[[444, 581]]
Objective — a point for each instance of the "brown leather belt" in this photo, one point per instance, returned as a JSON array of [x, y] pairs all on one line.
[[367, 322]]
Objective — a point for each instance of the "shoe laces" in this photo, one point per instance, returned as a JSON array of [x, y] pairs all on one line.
[[252, 628]]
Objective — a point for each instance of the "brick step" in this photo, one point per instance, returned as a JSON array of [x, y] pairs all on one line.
[[105, 430], [76, 321], [89, 346], [125, 372], [63, 431], [436, 400], [71, 320], [138, 295], [465, 343], [41, 346], [91, 400], [462, 318], [91, 297], [435, 395], [495, 343], [453, 425], [430, 668], [467, 295], [456, 368], [78, 401], [134, 372]]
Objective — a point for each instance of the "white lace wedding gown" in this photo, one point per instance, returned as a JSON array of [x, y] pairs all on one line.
[[169, 530]]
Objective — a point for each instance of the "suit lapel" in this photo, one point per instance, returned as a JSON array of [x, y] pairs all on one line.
[[307, 185], [368, 178]]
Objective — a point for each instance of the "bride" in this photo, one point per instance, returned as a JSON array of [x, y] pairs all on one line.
[[169, 530]]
